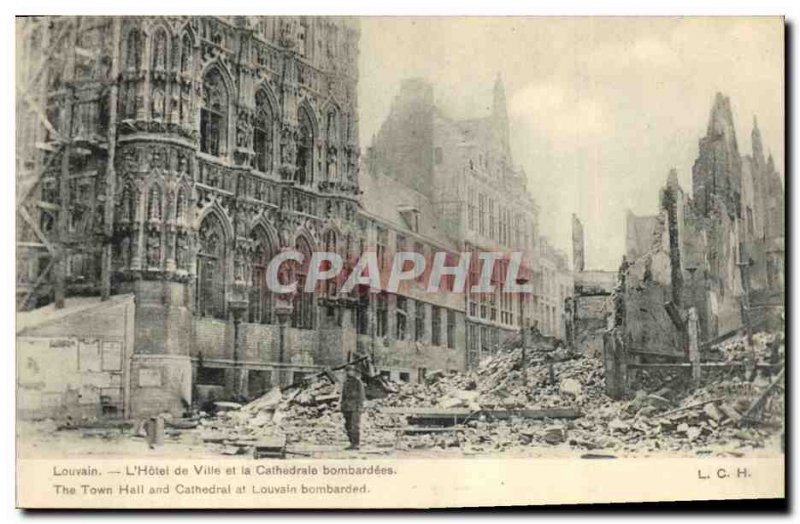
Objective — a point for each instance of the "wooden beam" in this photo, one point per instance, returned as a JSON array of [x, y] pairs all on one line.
[[675, 316], [37, 283], [760, 400], [38, 112], [537, 414], [23, 212]]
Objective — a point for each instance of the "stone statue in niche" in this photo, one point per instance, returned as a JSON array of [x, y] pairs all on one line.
[[333, 164], [180, 207], [181, 251], [183, 165], [240, 228], [238, 269], [212, 178], [154, 204], [154, 248], [142, 160], [155, 158], [129, 101], [125, 207], [158, 104], [287, 145], [125, 251]]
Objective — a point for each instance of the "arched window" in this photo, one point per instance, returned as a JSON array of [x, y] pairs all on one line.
[[260, 296], [263, 136], [305, 149], [332, 134], [213, 114], [303, 315], [186, 53], [160, 50], [211, 268], [133, 51], [348, 250]]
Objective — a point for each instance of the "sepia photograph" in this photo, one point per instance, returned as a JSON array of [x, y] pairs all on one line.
[[296, 254]]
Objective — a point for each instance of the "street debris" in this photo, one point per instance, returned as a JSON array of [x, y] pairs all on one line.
[[545, 398], [556, 399]]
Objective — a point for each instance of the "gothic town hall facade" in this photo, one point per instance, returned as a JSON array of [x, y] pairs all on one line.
[[163, 161]]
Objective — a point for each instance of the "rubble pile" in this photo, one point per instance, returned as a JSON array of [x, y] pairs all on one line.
[[767, 347], [277, 413], [545, 396]]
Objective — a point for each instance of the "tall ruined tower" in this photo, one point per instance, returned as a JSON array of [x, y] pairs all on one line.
[[762, 216], [717, 172]]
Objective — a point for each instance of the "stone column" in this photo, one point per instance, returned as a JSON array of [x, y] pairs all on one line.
[[694, 348], [283, 310], [238, 308]]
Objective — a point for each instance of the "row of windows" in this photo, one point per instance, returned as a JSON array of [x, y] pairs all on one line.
[[211, 271], [401, 324], [499, 223], [215, 110], [160, 51], [210, 296], [402, 321], [326, 35], [213, 132], [481, 340], [548, 319]]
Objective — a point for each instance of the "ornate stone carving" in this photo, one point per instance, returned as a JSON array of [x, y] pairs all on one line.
[[154, 248], [182, 254]]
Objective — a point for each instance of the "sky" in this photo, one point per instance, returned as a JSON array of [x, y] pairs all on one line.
[[600, 109]]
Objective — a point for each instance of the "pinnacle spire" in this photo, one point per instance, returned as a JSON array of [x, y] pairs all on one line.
[[720, 114], [755, 136], [720, 122], [500, 115], [672, 179]]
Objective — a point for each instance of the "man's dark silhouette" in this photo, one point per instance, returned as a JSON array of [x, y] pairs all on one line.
[[351, 404]]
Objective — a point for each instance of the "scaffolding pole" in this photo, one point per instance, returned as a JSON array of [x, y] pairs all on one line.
[[63, 178], [111, 176]]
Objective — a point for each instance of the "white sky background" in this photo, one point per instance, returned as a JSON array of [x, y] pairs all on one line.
[[600, 108]]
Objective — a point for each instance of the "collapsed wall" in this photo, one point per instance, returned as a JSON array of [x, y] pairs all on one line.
[[691, 263], [592, 307], [705, 252]]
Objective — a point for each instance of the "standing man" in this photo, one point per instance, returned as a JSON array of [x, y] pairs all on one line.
[[351, 403]]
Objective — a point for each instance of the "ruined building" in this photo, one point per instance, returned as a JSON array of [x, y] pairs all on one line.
[[719, 251], [452, 182], [591, 305]]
